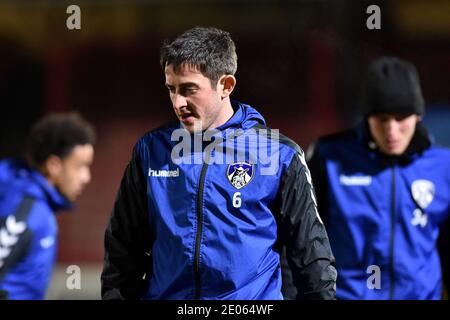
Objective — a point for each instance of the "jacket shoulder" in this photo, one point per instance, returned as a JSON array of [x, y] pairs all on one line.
[[27, 206], [16, 181], [440, 153], [335, 140], [342, 136], [440, 150], [281, 138], [164, 130]]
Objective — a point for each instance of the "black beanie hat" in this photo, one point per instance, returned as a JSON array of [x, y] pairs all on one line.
[[392, 85]]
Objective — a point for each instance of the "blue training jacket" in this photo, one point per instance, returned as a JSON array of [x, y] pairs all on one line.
[[383, 214], [215, 230], [28, 230]]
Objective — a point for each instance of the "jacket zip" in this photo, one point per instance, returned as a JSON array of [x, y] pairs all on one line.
[[391, 258], [198, 236]]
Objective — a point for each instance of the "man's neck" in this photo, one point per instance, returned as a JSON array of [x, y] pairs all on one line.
[[225, 115]]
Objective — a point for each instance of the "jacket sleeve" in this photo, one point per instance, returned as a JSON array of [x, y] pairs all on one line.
[[307, 252], [316, 165], [127, 264], [443, 248], [15, 237]]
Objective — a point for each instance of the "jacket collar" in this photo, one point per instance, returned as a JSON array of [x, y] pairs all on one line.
[[244, 117], [420, 141], [55, 199]]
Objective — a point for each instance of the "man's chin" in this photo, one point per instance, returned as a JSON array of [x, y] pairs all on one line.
[[194, 127], [70, 197], [394, 151], [73, 197]]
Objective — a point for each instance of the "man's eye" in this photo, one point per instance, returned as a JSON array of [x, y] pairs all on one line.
[[401, 117], [188, 91]]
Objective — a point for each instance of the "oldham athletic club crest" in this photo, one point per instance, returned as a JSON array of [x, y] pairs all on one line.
[[423, 192], [240, 174]]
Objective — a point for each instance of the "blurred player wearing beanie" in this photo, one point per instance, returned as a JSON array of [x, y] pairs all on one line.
[[383, 190]]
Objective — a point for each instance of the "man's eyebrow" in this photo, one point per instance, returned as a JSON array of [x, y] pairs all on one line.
[[189, 84], [185, 84]]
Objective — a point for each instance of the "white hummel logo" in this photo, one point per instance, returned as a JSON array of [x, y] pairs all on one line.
[[164, 173], [355, 180]]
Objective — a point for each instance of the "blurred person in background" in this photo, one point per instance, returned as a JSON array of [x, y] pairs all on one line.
[[383, 190], [213, 230], [56, 169]]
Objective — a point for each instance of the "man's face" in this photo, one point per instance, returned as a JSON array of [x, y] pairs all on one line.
[[196, 103], [392, 132], [72, 173]]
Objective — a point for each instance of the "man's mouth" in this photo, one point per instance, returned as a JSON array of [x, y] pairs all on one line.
[[187, 117], [392, 143]]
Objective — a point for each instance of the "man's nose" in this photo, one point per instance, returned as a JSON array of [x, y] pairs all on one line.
[[392, 126], [86, 176], [179, 101]]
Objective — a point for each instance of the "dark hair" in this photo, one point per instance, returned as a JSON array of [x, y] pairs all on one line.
[[210, 50], [57, 134]]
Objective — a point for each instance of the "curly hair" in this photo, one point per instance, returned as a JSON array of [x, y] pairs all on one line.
[[57, 134]]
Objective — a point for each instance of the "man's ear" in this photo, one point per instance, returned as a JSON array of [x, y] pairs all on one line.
[[51, 168], [227, 83]]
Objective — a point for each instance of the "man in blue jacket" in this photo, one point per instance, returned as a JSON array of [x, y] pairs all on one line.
[[59, 155], [208, 217], [384, 192]]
